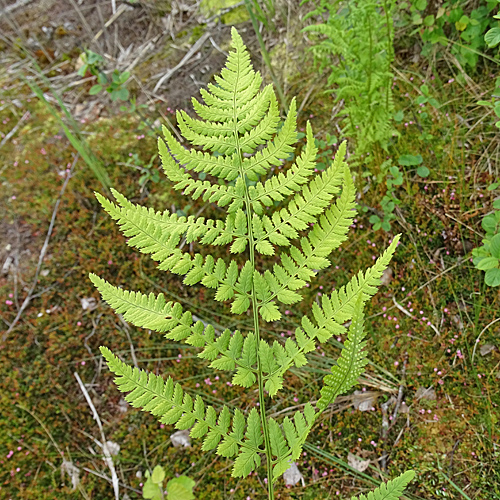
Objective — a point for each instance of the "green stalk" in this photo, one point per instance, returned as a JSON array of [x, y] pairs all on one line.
[[74, 136], [260, 377], [389, 52]]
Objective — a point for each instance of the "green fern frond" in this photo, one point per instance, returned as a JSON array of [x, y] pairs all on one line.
[[276, 150], [392, 490], [238, 128], [351, 363], [279, 187], [167, 401]]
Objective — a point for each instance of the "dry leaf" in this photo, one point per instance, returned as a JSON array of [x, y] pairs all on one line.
[[293, 475], [423, 393], [486, 349], [356, 462]]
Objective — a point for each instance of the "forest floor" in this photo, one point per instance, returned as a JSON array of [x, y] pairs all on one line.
[[429, 399]]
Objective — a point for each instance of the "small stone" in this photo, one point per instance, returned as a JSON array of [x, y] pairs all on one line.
[[114, 448], [386, 276], [88, 303], [364, 401]]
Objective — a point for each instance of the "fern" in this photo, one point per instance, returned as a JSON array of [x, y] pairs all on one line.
[[390, 491], [306, 214], [354, 45]]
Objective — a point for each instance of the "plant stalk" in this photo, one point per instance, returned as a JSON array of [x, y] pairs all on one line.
[[260, 378]]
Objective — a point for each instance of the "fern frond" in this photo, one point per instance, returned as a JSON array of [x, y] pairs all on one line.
[[276, 150], [351, 363], [339, 305], [282, 185], [305, 207], [151, 231], [392, 490], [168, 401], [237, 125]]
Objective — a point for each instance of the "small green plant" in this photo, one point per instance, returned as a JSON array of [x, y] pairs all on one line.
[[487, 257], [357, 52], [178, 488], [239, 124], [492, 36], [494, 102], [453, 22], [114, 85], [393, 178], [149, 171], [91, 63]]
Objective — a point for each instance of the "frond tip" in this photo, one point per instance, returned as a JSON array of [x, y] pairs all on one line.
[[392, 490], [351, 363]]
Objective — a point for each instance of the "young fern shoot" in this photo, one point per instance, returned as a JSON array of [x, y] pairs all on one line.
[[239, 124]]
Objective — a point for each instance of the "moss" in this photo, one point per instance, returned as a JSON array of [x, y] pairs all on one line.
[[212, 7]]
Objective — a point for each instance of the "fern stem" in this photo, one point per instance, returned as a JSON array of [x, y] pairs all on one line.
[[260, 376]]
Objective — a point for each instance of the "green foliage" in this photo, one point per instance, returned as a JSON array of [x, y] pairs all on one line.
[[487, 256], [390, 491], [178, 488], [90, 62], [354, 47], [455, 23], [114, 85], [494, 102], [294, 210]]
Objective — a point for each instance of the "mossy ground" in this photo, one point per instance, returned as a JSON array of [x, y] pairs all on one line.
[[45, 418]]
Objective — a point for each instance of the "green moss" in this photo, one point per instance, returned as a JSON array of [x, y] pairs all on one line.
[[212, 7]]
